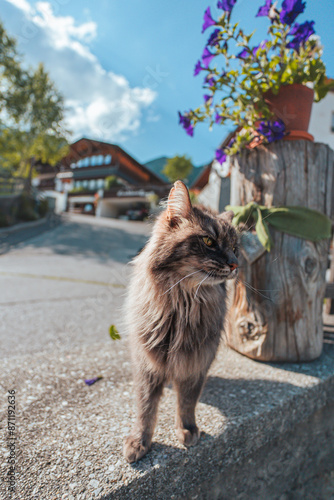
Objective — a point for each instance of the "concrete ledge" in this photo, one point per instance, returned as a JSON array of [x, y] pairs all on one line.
[[266, 428]]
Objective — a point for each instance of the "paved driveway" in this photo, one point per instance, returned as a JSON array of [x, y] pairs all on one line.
[[66, 286]]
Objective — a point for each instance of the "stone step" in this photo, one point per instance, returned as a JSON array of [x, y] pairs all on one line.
[[266, 428]]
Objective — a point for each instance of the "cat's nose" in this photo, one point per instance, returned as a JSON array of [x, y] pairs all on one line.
[[231, 261], [233, 265]]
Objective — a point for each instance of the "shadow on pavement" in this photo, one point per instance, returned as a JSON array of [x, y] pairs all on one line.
[[97, 242], [240, 397]]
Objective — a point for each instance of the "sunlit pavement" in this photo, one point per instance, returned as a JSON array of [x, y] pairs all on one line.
[[66, 285]]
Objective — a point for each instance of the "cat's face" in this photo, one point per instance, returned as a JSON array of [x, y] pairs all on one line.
[[195, 240]]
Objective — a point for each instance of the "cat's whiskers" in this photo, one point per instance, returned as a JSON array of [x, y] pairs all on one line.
[[206, 277], [255, 290], [169, 289]]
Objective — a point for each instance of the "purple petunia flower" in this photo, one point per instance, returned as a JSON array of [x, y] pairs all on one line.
[[272, 130], [290, 10], [218, 118], [231, 142], [207, 98], [302, 33], [220, 156], [243, 54], [265, 9], [214, 38], [226, 5], [198, 68], [207, 57], [184, 120], [210, 80], [208, 21], [92, 381]]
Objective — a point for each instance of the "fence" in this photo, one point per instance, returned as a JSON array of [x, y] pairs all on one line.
[[12, 186]]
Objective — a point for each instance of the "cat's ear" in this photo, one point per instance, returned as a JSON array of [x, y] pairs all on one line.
[[227, 216], [179, 204]]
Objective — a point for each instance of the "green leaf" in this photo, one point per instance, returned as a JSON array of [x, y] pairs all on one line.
[[113, 332], [262, 231]]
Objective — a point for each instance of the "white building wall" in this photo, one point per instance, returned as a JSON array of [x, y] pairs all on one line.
[[216, 194], [106, 209], [322, 120]]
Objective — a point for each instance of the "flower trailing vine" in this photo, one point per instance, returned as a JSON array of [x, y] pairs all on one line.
[[237, 75]]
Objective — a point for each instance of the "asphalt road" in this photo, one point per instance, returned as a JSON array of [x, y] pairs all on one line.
[[65, 286]]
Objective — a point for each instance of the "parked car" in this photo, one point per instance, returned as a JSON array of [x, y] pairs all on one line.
[[137, 214]]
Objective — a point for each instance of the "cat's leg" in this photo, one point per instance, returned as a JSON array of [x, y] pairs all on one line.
[[149, 388], [188, 393]]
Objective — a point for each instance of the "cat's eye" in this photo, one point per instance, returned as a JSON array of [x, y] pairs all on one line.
[[208, 241]]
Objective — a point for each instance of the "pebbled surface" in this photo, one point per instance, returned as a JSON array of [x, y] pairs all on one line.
[[70, 435]]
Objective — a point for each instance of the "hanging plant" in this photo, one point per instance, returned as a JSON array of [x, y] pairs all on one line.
[[237, 74]]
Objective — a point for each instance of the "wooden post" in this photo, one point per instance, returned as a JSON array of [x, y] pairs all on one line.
[[329, 306], [276, 306]]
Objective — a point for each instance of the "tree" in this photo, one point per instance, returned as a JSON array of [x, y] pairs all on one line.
[[31, 114], [10, 71], [178, 168]]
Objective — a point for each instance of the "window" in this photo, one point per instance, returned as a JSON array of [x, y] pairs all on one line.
[[85, 162], [92, 184], [107, 159], [73, 165], [332, 125], [101, 160], [93, 160], [85, 183], [100, 183]]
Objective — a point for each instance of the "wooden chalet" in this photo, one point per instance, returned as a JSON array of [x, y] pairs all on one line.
[[83, 172]]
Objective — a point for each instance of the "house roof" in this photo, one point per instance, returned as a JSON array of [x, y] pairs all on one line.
[[203, 178], [156, 166], [125, 163], [194, 175]]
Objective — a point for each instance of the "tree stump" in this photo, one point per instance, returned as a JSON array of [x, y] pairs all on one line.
[[276, 305]]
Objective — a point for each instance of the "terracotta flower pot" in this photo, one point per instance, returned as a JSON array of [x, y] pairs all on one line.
[[293, 105]]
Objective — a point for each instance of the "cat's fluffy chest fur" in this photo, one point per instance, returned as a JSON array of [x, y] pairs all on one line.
[[177, 330]]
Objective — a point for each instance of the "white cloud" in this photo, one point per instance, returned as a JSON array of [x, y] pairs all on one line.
[[21, 4], [100, 104]]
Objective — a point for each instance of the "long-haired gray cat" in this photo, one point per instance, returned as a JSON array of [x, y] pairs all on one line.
[[175, 312]]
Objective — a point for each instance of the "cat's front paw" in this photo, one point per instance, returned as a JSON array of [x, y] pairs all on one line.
[[188, 437], [134, 449]]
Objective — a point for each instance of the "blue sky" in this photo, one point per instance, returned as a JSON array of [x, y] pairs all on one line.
[[126, 67]]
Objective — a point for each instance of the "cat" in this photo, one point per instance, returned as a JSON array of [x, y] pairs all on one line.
[[175, 312]]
